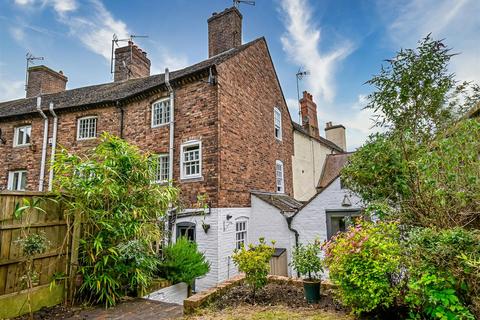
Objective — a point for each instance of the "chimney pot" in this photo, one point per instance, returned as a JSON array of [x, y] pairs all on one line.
[[131, 62], [224, 31], [308, 109], [43, 80], [336, 134]]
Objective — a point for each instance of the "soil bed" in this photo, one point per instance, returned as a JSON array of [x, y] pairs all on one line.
[[274, 294]]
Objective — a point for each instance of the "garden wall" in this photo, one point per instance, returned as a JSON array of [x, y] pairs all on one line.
[[12, 261]]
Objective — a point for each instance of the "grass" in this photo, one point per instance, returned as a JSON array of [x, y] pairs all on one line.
[[268, 313]]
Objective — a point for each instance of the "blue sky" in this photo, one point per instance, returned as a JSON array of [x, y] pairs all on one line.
[[341, 42]]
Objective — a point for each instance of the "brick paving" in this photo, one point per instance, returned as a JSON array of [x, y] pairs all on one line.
[[136, 309]]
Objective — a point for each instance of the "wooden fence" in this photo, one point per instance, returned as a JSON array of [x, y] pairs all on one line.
[[51, 223]]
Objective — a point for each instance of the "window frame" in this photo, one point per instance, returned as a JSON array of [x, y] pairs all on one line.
[[158, 158], [277, 112], [351, 213], [185, 225], [78, 128], [243, 232], [183, 175], [152, 116], [282, 186], [15, 135], [11, 174]]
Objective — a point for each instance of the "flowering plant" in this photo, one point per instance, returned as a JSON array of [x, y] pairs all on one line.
[[364, 263]]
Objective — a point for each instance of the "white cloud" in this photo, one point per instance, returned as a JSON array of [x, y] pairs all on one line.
[[11, 89], [24, 2], [302, 42], [17, 33], [63, 6], [96, 30], [455, 20]]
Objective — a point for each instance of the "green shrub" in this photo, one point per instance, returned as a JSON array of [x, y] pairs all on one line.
[[255, 263], [443, 278], [364, 262], [111, 188], [183, 262], [306, 260]]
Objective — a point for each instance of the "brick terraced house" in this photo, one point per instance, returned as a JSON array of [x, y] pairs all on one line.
[[220, 127]]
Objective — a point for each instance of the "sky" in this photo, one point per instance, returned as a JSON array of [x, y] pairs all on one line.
[[341, 43]]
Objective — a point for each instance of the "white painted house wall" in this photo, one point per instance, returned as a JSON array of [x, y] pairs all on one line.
[[218, 243], [267, 222], [307, 164], [311, 220]]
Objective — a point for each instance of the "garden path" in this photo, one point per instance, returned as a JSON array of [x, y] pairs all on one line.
[[136, 309]]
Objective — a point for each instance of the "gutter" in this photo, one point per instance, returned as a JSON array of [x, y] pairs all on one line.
[[172, 126], [54, 145], [44, 146]]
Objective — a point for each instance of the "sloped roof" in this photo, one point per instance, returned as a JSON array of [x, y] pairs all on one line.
[[322, 140], [286, 204], [109, 93], [331, 169]]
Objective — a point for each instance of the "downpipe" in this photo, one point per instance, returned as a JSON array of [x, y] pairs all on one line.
[[54, 145], [44, 146]]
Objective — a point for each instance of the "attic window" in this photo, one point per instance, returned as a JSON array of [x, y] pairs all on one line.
[[279, 176], [277, 120], [160, 112]]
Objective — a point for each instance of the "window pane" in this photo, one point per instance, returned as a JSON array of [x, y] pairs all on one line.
[[23, 181], [27, 134], [19, 136], [15, 181]]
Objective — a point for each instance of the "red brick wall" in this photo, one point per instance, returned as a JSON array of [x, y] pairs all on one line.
[[19, 158], [238, 151], [248, 93], [195, 119]]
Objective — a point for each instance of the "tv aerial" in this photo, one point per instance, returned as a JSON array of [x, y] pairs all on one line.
[[300, 75], [30, 61], [236, 3], [115, 41]]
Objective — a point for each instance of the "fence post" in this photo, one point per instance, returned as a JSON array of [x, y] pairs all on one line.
[[77, 224]]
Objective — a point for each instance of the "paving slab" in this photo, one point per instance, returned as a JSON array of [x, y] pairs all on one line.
[[135, 309]]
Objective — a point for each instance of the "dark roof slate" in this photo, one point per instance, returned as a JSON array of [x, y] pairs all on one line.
[[109, 93], [322, 140], [286, 204]]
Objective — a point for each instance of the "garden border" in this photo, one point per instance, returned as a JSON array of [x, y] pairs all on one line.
[[201, 299]]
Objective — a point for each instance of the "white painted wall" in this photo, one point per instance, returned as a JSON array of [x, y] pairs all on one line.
[[218, 243], [307, 162], [311, 221], [267, 222], [173, 294], [207, 243]]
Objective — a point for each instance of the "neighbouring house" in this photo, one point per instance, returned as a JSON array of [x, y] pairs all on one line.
[[219, 128], [310, 149], [289, 222]]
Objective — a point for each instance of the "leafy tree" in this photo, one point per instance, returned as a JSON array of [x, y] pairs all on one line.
[[122, 211], [254, 261], [415, 166], [306, 260], [183, 262], [442, 277]]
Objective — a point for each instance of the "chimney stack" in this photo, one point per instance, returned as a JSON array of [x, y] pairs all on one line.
[[224, 31], [336, 134], [308, 109], [131, 62], [43, 80]]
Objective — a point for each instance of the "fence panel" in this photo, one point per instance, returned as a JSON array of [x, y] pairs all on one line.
[[51, 223]]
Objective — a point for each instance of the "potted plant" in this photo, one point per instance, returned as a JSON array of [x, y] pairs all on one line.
[[306, 260]]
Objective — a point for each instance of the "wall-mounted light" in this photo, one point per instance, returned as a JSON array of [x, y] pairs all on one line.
[[346, 201], [229, 217]]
